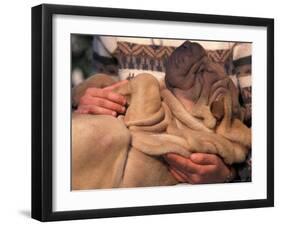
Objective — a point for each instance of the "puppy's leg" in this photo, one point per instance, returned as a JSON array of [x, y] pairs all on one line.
[[99, 151]]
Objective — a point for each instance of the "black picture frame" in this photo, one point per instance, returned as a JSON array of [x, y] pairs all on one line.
[[42, 107]]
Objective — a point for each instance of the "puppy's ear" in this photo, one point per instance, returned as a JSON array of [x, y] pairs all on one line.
[[217, 109]]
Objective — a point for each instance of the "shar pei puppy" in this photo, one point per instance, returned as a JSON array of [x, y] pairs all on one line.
[[195, 109]]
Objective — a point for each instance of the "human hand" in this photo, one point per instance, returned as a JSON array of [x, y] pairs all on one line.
[[102, 101], [199, 168]]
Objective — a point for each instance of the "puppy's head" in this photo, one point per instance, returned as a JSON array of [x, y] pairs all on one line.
[[181, 62], [191, 76]]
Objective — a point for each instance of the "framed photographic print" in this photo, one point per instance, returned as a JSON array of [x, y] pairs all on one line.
[[145, 112]]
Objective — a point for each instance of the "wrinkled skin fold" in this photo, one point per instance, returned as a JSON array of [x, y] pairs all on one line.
[[196, 109]]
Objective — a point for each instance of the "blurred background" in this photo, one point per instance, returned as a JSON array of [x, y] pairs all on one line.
[[81, 57]]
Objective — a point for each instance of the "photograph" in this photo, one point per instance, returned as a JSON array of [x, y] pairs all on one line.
[[159, 112], [141, 112]]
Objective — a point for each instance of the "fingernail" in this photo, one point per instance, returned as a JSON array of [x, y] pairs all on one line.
[[123, 109], [113, 113]]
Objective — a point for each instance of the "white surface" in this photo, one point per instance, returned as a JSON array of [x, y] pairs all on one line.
[[15, 114], [65, 199]]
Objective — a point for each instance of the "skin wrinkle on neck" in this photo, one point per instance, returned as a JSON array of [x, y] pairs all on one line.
[[187, 103]]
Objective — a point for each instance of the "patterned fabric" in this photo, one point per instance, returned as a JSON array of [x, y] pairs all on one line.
[[154, 57], [242, 61], [142, 57], [222, 57]]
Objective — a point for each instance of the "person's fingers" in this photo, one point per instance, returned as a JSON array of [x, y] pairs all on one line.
[[186, 177], [204, 158], [100, 102], [191, 178], [106, 94], [178, 175], [183, 164], [92, 109], [115, 85], [195, 179], [115, 97]]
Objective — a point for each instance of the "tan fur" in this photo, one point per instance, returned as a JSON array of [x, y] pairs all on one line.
[[110, 152]]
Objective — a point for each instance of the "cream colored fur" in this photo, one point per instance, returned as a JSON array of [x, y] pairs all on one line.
[[127, 151]]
